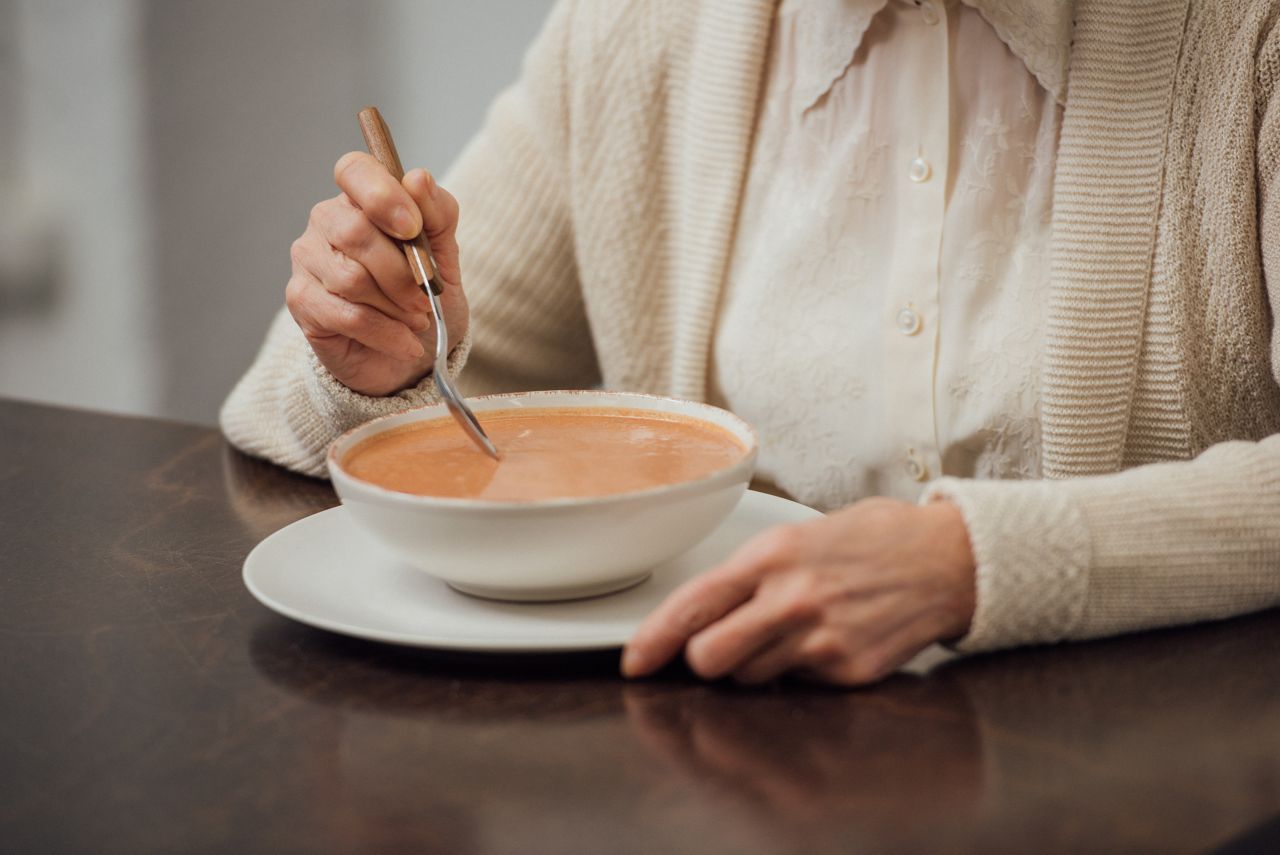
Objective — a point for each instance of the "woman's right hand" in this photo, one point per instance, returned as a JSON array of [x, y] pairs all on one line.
[[351, 291]]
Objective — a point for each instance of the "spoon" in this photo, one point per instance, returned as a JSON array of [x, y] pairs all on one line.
[[377, 138]]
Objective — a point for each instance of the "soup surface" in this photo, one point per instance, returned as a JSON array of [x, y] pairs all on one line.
[[546, 454]]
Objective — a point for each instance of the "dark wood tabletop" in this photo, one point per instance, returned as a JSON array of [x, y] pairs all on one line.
[[149, 704]]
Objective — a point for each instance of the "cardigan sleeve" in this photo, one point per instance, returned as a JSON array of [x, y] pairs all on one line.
[[528, 326], [1156, 545]]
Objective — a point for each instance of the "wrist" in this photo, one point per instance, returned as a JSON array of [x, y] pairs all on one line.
[[955, 562]]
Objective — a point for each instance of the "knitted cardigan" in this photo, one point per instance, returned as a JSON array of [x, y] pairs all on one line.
[[599, 204]]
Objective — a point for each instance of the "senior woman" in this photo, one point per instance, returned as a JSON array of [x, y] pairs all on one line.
[[1014, 262]]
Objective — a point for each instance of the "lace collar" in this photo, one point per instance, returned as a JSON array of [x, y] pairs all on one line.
[[828, 33]]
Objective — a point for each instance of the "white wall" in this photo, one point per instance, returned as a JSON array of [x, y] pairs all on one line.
[[443, 61], [77, 317], [175, 147]]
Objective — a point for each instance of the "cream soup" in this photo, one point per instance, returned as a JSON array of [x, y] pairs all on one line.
[[546, 454]]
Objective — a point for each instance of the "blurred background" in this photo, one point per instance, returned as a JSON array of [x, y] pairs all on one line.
[[157, 158]]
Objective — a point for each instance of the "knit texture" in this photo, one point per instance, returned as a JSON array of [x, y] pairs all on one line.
[[1107, 184], [600, 201], [288, 408]]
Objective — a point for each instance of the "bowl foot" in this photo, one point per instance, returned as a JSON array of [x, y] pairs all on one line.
[[547, 595]]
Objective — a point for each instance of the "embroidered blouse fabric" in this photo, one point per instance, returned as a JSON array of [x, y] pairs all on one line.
[[882, 320]]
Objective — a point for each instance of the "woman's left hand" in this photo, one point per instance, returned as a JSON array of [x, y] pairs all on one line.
[[845, 599]]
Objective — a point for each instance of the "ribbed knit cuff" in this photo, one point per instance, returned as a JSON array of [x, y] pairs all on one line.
[[1032, 552], [321, 408]]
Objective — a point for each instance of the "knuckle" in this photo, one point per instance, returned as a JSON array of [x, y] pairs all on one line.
[[780, 543], [298, 302], [807, 582], [318, 212], [351, 316], [352, 231], [297, 252], [800, 607], [346, 279]]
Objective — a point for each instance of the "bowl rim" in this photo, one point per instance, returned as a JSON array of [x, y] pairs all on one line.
[[385, 495]]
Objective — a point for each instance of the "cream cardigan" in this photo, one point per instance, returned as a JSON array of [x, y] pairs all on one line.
[[599, 203]]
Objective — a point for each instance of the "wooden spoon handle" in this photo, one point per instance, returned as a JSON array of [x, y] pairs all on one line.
[[377, 138]]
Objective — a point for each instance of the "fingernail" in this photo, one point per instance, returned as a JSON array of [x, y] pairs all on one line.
[[418, 323], [405, 224], [417, 351]]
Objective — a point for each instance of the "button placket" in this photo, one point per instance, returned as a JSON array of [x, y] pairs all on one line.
[[911, 340]]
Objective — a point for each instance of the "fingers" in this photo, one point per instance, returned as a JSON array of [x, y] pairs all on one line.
[[383, 199], [349, 279], [868, 642], [438, 207], [326, 320], [689, 609], [439, 220], [702, 601], [348, 232], [858, 664], [359, 221], [828, 656], [773, 661], [784, 606]]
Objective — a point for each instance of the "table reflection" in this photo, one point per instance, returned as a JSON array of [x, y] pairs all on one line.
[[265, 497], [898, 752], [975, 745]]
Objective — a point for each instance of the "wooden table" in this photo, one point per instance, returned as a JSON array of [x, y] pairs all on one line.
[[148, 703]]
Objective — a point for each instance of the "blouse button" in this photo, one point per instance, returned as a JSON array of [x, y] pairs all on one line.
[[920, 170], [916, 468], [908, 321], [929, 12]]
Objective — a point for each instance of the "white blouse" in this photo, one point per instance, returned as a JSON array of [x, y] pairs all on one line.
[[882, 322]]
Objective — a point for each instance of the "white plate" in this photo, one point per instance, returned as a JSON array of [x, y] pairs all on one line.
[[325, 572]]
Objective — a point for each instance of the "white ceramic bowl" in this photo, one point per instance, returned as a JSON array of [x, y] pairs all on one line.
[[553, 549]]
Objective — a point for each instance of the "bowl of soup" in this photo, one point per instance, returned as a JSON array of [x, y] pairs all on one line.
[[591, 492]]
